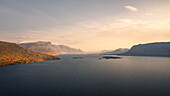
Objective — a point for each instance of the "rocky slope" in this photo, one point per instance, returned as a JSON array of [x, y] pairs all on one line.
[[11, 53]]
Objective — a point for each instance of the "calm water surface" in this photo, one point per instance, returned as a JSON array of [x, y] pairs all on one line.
[[129, 76]]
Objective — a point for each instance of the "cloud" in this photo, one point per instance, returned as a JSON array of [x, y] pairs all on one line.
[[131, 8], [148, 14], [127, 32], [5, 10], [129, 29], [42, 14]]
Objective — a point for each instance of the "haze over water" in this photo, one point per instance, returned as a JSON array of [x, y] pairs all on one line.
[[129, 76]]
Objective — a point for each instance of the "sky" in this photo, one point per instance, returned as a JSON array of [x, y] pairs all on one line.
[[90, 25]]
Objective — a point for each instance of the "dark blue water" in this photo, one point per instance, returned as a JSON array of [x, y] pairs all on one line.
[[129, 76]]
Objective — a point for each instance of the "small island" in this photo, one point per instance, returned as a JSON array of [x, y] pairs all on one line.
[[110, 57], [77, 58]]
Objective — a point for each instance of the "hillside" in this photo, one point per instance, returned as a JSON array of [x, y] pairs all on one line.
[[48, 48], [150, 49], [115, 52], [11, 53]]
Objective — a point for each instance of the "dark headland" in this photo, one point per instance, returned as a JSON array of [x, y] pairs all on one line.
[[150, 49]]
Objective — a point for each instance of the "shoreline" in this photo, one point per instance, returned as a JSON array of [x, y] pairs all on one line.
[[25, 61]]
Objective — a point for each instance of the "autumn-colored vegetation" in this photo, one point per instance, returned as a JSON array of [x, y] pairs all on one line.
[[11, 53], [17, 60]]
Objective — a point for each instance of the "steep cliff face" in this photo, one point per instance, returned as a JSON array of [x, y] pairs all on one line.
[[150, 49], [11, 53], [48, 48], [40, 47]]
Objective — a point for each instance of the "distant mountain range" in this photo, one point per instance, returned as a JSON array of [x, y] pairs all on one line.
[[48, 48], [150, 49], [11, 53], [114, 52]]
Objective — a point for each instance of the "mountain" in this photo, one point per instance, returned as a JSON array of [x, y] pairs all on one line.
[[11, 53], [106, 51], [48, 48], [150, 49], [115, 52]]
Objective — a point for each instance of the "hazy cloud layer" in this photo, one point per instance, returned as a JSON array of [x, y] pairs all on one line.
[[131, 8], [91, 25]]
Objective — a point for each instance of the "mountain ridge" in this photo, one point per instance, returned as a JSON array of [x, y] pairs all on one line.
[[49, 48], [115, 52], [150, 49]]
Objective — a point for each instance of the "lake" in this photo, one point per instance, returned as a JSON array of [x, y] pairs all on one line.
[[129, 76]]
